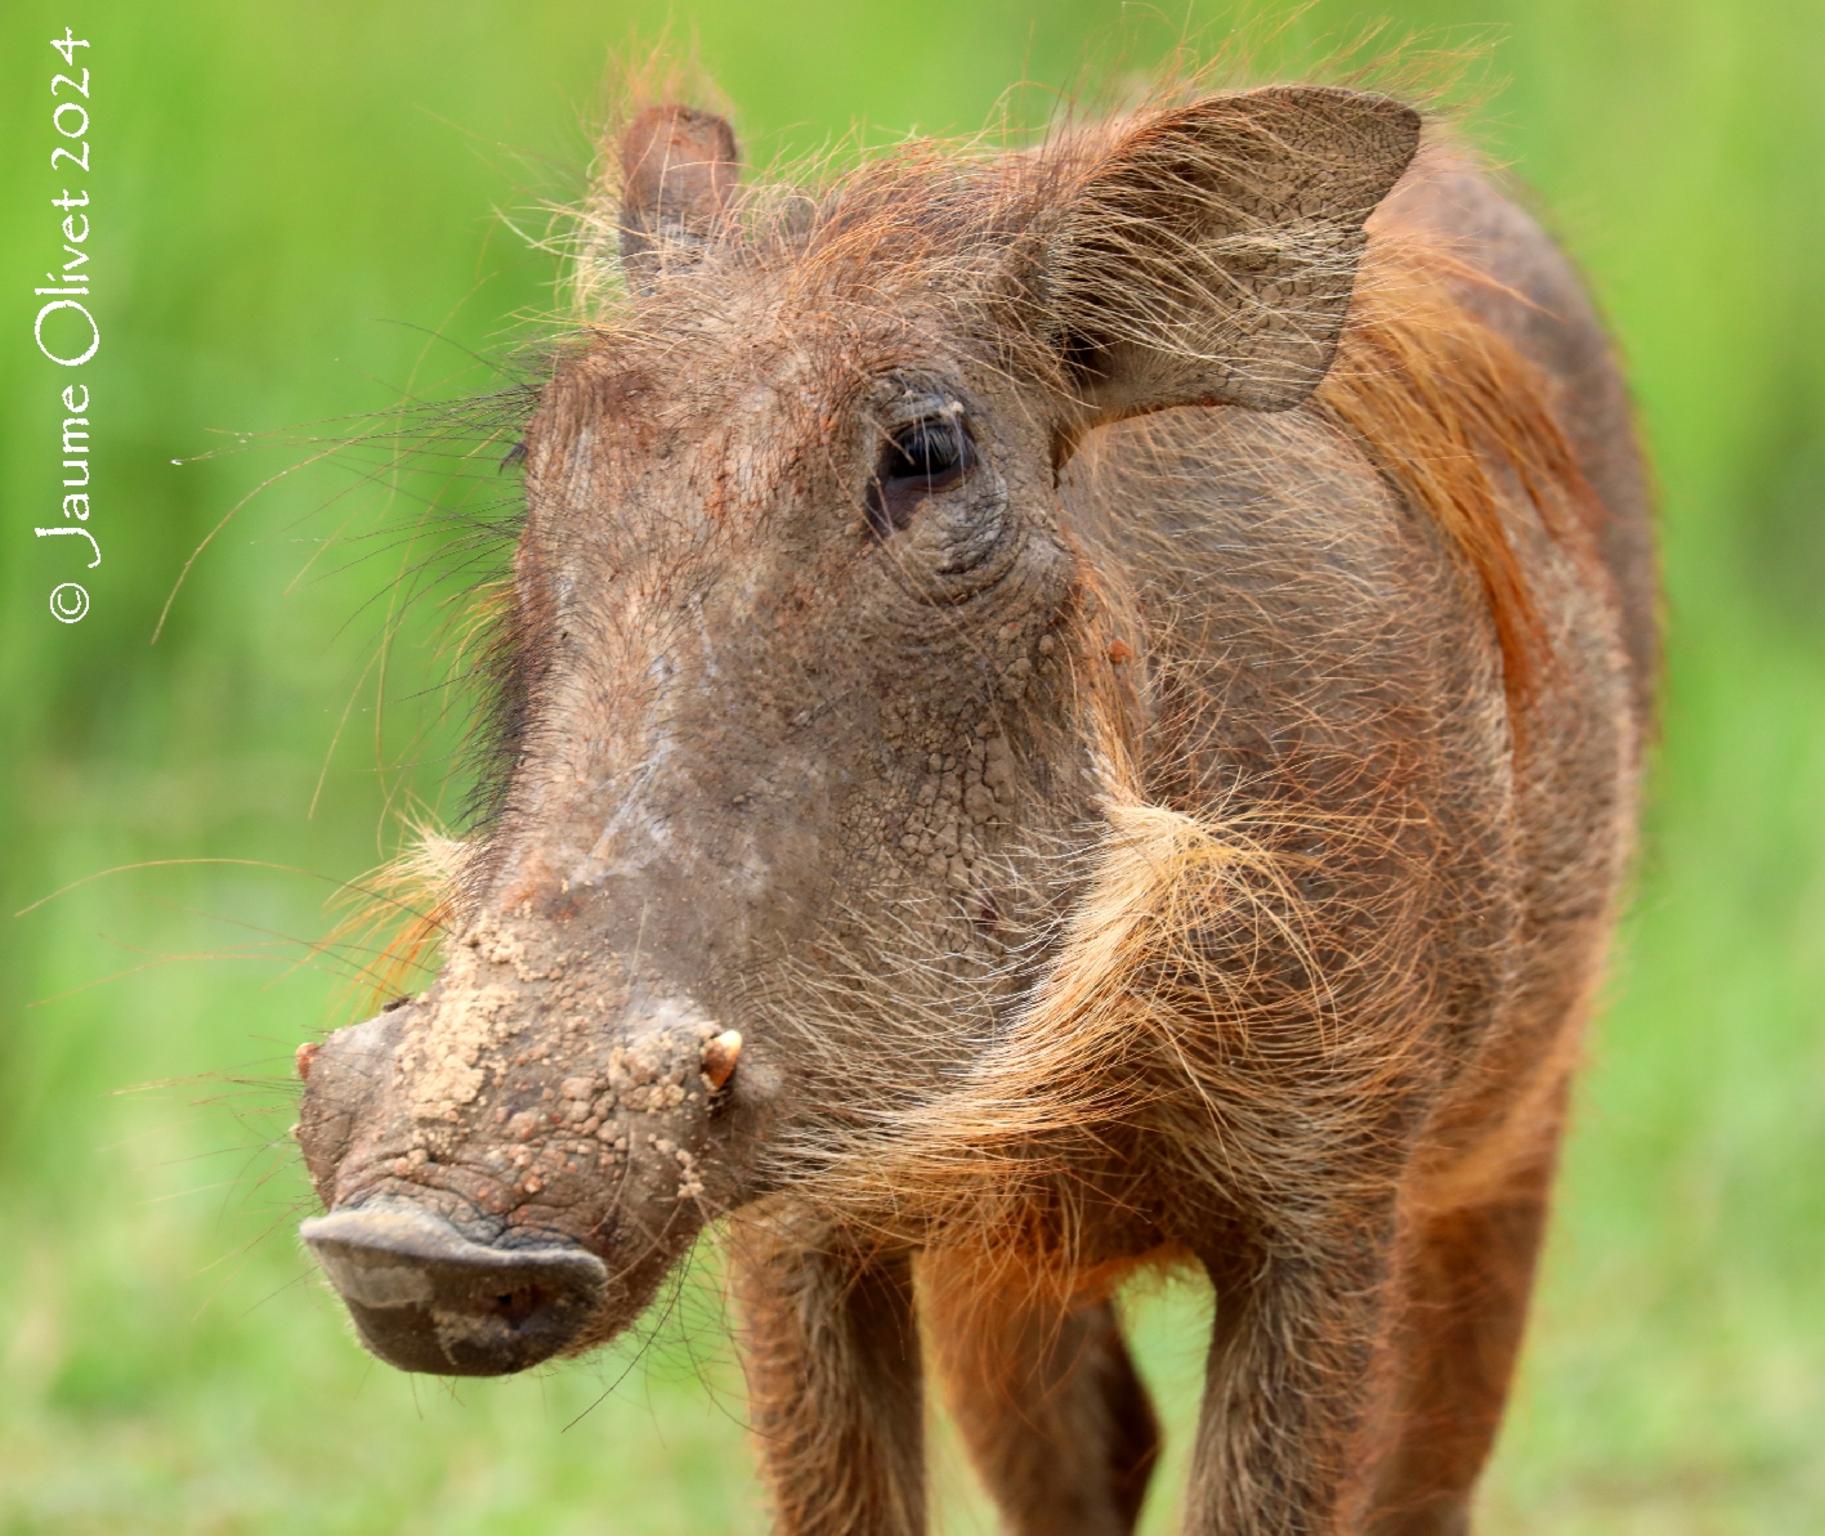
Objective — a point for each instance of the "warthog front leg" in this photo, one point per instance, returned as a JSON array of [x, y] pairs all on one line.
[[1297, 1394], [1056, 1418], [1467, 1275], [831, 1350]]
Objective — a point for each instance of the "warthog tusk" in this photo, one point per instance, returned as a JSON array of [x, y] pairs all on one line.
[[719, 1058]]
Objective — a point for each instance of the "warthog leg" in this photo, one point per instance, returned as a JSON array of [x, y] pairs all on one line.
[[1057, 1419], [834, 1380], [1466, 1277], [1298, 1388]]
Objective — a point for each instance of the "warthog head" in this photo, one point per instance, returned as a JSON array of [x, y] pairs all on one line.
[[814, 690]]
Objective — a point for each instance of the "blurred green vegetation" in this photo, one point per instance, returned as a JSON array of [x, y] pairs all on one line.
[[297, 215]]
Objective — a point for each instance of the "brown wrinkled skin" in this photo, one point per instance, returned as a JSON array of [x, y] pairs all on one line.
[[1154, 847]]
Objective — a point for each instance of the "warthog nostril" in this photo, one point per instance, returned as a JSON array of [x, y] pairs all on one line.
[[516, 1306], [426, 1298]]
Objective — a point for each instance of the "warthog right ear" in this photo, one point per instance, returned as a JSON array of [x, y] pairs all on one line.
[[678, 170], [1207, 255]]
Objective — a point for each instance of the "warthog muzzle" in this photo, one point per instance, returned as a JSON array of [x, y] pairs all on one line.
[[426, 1298]]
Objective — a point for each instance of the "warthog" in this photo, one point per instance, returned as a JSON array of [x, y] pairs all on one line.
[[1062, 712]]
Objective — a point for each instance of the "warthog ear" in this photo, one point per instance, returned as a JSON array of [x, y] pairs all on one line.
[[1207, 256], [678, 169]]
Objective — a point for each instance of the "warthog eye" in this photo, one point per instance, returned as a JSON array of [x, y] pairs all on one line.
[[918, 460]]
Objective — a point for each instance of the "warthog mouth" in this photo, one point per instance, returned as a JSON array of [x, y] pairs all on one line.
[[426, 1298]]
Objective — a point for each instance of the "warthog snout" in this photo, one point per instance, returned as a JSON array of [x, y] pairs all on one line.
[[426, 1298], [489, 1208]]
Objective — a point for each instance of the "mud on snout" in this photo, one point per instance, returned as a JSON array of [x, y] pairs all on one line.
[[513, 1161]]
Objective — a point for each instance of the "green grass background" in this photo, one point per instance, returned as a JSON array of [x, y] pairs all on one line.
[[289, 200]]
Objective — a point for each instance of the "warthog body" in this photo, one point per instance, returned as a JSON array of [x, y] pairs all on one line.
[[1062, 712]]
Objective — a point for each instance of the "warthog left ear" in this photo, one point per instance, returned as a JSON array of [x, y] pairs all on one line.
[[1207, 255], [678, 170]]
